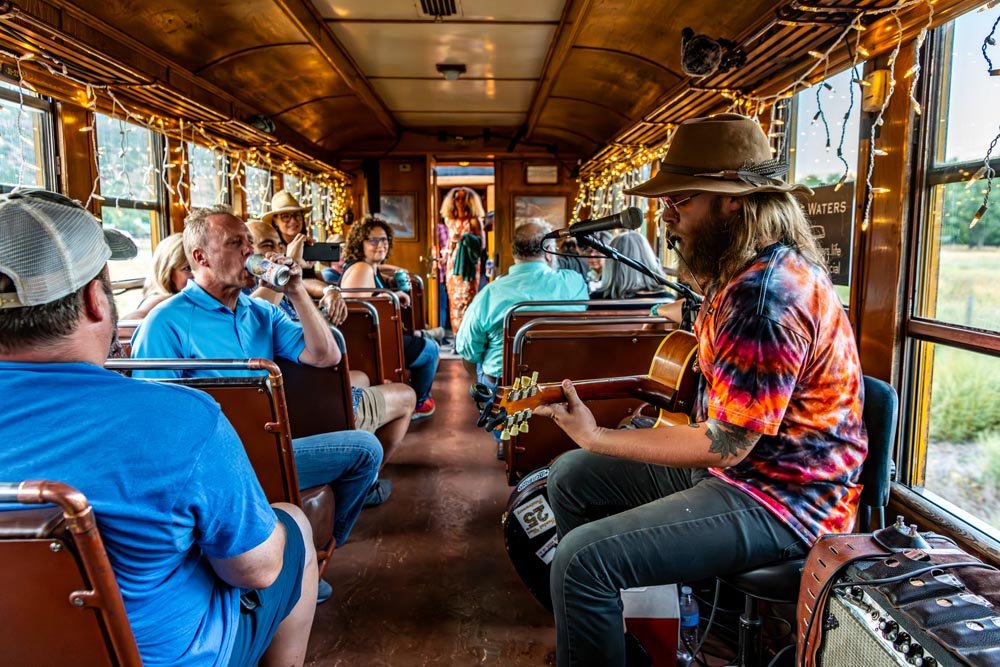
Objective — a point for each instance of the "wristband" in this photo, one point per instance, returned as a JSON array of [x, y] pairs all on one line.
[[652, 310], [331, 289]]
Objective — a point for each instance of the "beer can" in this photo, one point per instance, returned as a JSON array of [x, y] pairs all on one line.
[[270, 272], [402, 279]]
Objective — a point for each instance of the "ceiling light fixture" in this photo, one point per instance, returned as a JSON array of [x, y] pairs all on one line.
[[450, 71]]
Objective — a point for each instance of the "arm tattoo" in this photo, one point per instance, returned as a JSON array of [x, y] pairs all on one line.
[[728, 440]]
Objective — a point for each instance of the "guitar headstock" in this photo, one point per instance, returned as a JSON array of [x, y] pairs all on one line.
[[515, 404]]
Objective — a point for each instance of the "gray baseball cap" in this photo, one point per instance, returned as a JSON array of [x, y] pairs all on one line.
[[51, 246]]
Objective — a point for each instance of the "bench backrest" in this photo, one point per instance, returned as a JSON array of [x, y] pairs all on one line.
[[392, 367], [60, 601], [591, 348], [522, 313]]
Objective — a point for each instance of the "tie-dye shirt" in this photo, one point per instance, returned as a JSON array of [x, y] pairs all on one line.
[[779, 358]]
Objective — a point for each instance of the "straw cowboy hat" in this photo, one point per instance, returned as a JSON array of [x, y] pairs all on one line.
[[727, 154], [284, 202]]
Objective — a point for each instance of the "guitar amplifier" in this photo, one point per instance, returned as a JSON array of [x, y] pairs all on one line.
[[937, 612]]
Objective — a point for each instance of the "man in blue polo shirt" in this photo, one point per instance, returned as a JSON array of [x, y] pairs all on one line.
[[211, 318], [480, 338], [186, 525]]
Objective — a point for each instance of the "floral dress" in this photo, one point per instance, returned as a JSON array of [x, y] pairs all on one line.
[[460, 290]]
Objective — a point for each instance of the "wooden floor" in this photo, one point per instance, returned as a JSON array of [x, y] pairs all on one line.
[[424, 579]]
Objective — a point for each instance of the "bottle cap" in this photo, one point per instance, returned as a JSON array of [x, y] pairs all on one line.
[[685, 590]]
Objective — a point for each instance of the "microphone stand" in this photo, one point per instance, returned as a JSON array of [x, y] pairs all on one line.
[[692, 300]]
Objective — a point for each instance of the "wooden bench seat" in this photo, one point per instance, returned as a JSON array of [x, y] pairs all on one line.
[[257, 409], [575, 346], [60, 603]]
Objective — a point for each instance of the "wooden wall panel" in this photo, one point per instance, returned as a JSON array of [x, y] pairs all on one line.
[[409, 177], [511, 182]]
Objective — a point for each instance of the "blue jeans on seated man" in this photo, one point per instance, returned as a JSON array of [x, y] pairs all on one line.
[[624, 524], [346, 460]]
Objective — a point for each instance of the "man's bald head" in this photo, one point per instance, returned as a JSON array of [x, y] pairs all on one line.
[[529, 239]]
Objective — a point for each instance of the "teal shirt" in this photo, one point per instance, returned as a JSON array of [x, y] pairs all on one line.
[[480, 338]]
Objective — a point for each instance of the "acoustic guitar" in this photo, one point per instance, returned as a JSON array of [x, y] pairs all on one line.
[[670, 385]]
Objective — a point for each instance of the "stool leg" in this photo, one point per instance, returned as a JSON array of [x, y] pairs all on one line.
[[749, 651]]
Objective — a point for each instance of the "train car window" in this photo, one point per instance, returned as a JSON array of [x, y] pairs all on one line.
[[823, 154], [954, 327], [129, 159], [294, 184], [258, 190], [26, 149], [207, 170]]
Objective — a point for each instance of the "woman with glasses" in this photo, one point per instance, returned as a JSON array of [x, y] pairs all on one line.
[[367, 247]]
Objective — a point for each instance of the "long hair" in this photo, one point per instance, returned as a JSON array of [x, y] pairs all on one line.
[[354, 247], [475, 204], [621, 281], [169, 255], [767, 215]]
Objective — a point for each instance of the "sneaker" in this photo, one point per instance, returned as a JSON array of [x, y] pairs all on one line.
[[324, 592], [436, 334], [379, 493], [424, 410]]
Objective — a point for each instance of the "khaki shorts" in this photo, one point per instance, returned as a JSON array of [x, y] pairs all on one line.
[[369, 414]]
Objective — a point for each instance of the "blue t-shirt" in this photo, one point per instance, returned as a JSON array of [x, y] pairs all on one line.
[[480, 338], [170, 484], [194, 325]]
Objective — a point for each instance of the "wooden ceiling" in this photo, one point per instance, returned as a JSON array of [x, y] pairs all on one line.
[[354, 78]]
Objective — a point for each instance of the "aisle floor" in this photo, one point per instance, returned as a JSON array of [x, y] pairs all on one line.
[[424, 579]]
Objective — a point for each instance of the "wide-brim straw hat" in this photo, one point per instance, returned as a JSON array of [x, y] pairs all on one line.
[[284, 202], [727, 154]]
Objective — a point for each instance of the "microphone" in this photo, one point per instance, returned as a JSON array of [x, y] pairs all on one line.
[[630, 218]]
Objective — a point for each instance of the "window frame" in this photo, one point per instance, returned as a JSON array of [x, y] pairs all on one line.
[[918, 332], [50, 147]]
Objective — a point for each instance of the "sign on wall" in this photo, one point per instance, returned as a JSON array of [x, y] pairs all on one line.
[[832, 214]]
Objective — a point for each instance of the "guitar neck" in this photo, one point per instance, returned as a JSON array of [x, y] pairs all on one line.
[[633, 386]]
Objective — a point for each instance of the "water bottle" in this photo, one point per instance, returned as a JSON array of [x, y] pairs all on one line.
[[270, 272], [402, 280], [689, 628]]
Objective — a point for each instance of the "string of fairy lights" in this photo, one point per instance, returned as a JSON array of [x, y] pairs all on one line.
[[599, 191], [330, 192]]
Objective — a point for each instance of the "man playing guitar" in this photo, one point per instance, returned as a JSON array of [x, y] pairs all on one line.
[[772, 458]]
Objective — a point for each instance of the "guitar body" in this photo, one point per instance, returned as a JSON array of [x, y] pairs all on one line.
[[676, 364]]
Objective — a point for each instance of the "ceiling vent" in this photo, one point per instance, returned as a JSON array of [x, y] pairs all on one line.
[[438, 8]]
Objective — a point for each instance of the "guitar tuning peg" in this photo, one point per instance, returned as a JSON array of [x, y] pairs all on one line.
[[534, 378], [525, 382], [523, 428], [504, 435], [517, 384]]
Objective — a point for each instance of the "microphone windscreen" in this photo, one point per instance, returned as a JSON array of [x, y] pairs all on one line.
[[632, 218]]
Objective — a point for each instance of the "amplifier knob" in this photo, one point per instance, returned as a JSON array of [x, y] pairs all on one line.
[[857, 593], [929, 661], [915, 656], [888, 628], [902, 642]]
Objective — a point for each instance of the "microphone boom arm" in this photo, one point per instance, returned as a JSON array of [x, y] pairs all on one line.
[[692, 299]]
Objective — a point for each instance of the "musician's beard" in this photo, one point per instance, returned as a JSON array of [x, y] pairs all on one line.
[[707, 243]]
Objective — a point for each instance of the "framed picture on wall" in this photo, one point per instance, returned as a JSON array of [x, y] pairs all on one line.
[[532, 208], [398, 210]]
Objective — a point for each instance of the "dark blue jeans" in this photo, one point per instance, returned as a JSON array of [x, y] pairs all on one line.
[[624, 524], [422, 364]]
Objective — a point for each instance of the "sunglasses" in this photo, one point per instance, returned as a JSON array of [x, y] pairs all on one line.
[[671, 202], [382, 240]]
